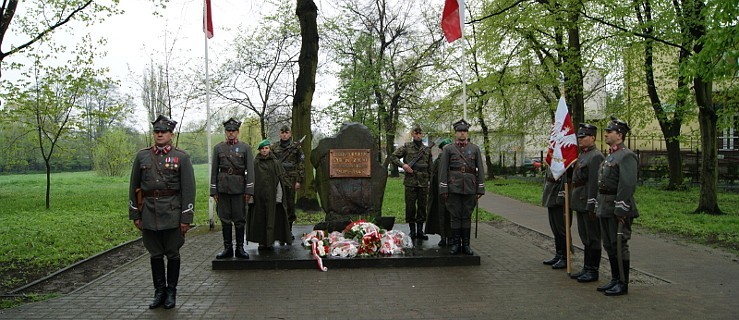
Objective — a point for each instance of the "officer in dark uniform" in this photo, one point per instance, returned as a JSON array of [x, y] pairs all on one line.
[[583, 201], [162, 204], [291, 157], [461, 183], [417, 165], [553, 198], [437, 219], [232, 185], [616, 205]]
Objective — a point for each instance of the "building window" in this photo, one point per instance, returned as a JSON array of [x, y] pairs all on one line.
[[729, 137]]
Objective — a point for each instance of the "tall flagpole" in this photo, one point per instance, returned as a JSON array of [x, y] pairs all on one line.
[[464, 77], [207, 117]]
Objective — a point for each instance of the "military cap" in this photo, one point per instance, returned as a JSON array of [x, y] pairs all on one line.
[[285, 128], [617, 125], [587, 129], [232, 124], [163, 123], [264, 143], [417, 129], [444, 142], [461, 125]]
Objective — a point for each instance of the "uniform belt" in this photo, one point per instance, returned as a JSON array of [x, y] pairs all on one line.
[[231, 171], [579, 184], [160, 193], [609, 192], [463, 169]]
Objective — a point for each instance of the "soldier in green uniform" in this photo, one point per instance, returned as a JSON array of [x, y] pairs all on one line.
[[616, 205], [553, 198], [161, 203], [291, 157], [437, 219], [583, 201], [417, 165], [265, 222], [232, 186], [461, 183]]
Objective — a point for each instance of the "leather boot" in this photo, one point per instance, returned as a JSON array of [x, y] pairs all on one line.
[[585, 265], [419, 233], [456, 244], [173, 276], [621, 287], [557, 255], [228, 251], [614, 275], [413, 230], [160, 282], [593, 262], [240, 253], [561, 264], [466, 249]]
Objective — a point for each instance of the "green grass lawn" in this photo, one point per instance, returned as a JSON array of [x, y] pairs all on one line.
[[89, 214], [660, 211]]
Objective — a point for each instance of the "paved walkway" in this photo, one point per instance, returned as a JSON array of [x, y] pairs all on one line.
[[673, 280]]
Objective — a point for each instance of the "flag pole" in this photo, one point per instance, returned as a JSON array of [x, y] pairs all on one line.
[[464, 78], [207, 117]]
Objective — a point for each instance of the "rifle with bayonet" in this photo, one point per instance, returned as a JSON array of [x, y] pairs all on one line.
[[287, 151], [420, 154]]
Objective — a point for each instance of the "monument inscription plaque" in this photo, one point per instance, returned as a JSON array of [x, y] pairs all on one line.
[[349, 163]]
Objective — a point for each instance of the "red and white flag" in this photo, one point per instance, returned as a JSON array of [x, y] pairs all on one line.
[[562, 141], [452, 20], [207, 20]]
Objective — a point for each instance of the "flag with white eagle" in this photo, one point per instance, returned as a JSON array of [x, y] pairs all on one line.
[[562, 141]]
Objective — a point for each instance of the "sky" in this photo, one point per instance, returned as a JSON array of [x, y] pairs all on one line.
[[138, 36]]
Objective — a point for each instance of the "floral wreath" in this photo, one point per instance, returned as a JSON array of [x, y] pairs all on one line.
[[359, 238]]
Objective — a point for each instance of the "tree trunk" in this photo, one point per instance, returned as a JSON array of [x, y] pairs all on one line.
[[708, 201], [305, 86], [573, 71]]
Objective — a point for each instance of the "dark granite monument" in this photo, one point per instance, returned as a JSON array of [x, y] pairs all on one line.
[[349, 178]]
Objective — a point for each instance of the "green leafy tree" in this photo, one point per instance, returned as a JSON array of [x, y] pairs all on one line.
[[112, 153]]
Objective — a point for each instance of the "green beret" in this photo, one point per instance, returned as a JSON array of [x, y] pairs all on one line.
[[263, 144], [163, 123], [285, 128], [444, 142]]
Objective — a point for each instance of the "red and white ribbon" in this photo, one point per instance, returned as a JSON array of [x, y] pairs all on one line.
[[319, 261]]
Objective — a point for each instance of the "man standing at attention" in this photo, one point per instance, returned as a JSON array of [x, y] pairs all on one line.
[[417, 165], [583, 201], [616, 205], [232, 185], [291, 157], [162, 205], [461, 183]]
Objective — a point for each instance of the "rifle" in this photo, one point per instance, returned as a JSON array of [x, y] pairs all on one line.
[[420, 153], [292, 146]]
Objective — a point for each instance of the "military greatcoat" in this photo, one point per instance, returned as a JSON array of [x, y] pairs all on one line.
[[267, 220]]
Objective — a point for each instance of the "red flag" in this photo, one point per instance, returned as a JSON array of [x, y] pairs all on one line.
[[452, 19], [207, 20], [562, 141]]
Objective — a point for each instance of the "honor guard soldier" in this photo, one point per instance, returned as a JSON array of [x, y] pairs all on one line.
[[162, 205], [232, 186], [461, 183], [267, 219], [416, 164], [616, 209], [553, 198], [583, 201], [437, 219], [291, 157]]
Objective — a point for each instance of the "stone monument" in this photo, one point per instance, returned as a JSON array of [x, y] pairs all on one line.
[[349, 178]]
